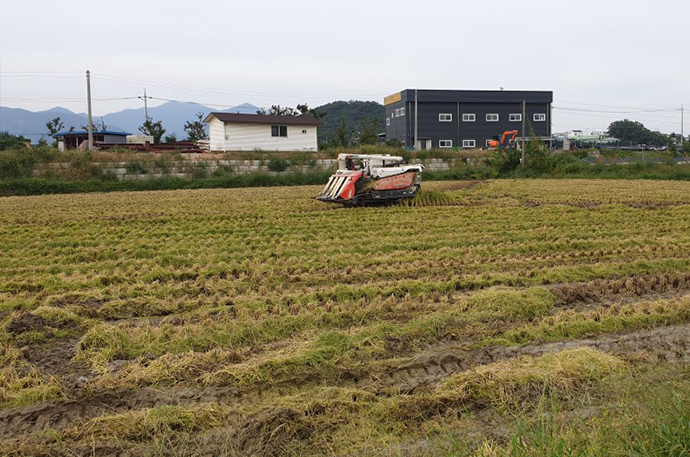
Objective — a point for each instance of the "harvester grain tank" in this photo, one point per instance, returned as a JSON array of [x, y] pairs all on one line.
[[369, 179]]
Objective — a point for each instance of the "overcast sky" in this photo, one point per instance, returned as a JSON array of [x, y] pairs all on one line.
[[604, 59]]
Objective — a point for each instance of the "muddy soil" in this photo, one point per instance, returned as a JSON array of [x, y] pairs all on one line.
[[663, 344], [55, 359], [58, 414], [27, 322], [583, 296], [670, 344]]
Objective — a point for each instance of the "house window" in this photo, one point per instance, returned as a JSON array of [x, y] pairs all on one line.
[[397, 113], [469, 143], [279, 130], [304, 132], [539, 117], [445, 117], [469, 117], [492, 117], [388, 121], [515, 117], [445, 143], [402, 111]]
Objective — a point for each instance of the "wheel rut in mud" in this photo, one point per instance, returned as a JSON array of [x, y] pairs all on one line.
[[670, 344]]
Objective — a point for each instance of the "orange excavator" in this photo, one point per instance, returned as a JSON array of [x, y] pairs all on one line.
[[508, 135]]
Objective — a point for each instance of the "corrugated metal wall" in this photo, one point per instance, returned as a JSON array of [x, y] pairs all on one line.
[[247, 137]]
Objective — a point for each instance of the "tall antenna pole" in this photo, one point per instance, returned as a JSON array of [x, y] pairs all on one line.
[[88, 98], [146, 105], [524, 119], [416, 120], [682, 125]]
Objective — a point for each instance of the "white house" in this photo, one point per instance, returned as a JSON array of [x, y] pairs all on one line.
[[247, 132]]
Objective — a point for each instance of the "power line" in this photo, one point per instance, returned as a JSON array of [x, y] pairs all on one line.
[[646, 118], [615, 106], [178, 86], [63, 99], [613, 111]]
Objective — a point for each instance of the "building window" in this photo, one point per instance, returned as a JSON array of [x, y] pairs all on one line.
[[445, 117], [492, 117], [279, 130], [397, 113], [515, 117], [445, 143], [469, 117], [539, 117], [402, 111], [388, 121], [469, 144], [304, 132]]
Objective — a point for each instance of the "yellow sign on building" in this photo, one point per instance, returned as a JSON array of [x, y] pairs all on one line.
[[392, 99]]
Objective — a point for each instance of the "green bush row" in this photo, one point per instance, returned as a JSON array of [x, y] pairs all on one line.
[[36, 186]]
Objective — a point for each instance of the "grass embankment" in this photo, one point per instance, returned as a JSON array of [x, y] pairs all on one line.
[[83, 171]]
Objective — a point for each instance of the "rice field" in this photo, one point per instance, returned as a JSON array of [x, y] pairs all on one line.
[[506, 317]]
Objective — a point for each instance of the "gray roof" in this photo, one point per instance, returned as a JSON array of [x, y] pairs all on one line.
[[263, 119], [478, 96], [95, 132]]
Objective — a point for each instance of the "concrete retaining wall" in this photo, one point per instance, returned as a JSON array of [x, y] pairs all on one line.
[[197, 166]]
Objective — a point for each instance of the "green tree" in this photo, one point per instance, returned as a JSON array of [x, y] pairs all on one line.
[[277, 110], [7, 141], [54, 126], [154, 129], [313, 112], [354, 111], [172, 138], [299, 110], [634, 133], [196, 130], [369, 131], [538, 158], [343, 133]]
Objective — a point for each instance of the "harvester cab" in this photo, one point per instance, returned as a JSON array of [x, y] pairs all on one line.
[[370, 179]]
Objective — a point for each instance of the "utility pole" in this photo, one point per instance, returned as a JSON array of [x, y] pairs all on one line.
[[416, 120], [682, 126], [146, 105], [524, 119], [88, 98]]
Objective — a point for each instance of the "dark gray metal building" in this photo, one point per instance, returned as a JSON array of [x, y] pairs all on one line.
[[465, 118]]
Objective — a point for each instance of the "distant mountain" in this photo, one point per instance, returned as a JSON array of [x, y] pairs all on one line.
[[32, 125], [173, 115], [244, 108]]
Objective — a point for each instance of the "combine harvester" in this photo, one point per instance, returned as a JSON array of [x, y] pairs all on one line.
[[372, 179]]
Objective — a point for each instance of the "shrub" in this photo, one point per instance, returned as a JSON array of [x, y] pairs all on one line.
[[279, 165], [8, 141], [199, 170], [136, 168], [222, 171]]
